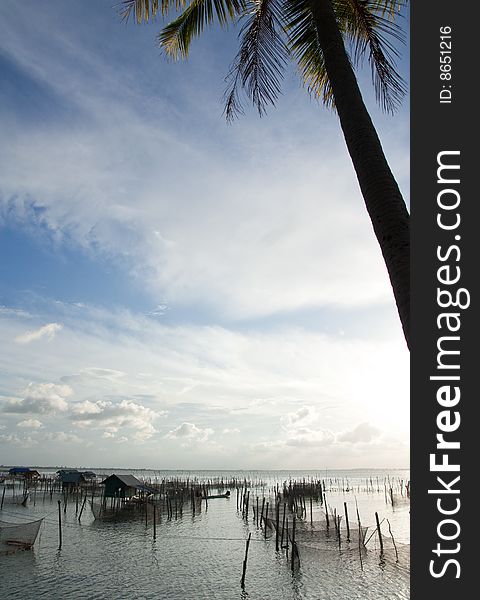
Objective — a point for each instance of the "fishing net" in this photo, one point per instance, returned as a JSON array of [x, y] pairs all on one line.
[[319, 535], [19, 534]]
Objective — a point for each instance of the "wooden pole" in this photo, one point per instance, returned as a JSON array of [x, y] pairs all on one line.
[[277, 526], [360, 539], [59, 524], [83, 506], [283, 522], [154, 521], [346, 520], [292, 558], [242, 581], [393, 539], [3, 495], [265, 520], [379, 533], [311, 511]]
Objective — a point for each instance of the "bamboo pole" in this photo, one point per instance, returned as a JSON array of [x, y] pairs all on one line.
[[154, 521], [59, 524], [292, 558], [379, 533], [265, 520], [393, 540], [277, 526], [346, 520], [242, 581], [339, 533], [83, 506], [288, 541], [360, 538], [283, 523]]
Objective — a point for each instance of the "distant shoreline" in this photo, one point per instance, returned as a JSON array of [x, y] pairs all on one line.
[[324, 470]]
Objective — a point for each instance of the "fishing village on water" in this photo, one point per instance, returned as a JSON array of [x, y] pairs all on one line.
[[308, 523]]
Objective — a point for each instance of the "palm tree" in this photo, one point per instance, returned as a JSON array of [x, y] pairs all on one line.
[[313, 33]]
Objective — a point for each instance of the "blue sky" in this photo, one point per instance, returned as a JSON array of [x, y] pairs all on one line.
[[177, 292]]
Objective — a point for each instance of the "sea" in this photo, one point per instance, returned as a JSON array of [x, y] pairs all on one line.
[[201, 556]]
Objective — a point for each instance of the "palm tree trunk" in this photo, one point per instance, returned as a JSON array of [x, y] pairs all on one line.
[[384, 202]]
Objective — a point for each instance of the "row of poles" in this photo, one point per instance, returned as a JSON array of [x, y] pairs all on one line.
[[298, 506], [293, 493]]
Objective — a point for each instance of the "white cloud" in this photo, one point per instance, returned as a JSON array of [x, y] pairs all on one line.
[[30, 424], [303, 428], [40, 398], [63, 437], [299, 386], [362, 433], [15, 312], [304, 415], [110, 374], [189, 433], [47, 331], [23, 442], [303, 436], [113, 416]]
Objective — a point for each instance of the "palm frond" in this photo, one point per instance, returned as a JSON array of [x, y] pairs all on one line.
[[260, 62], [144, 10], [368, 26], [176, 37], [391, 8], [305, 48]]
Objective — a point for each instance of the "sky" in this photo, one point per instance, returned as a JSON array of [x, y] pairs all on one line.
[[177, 292]]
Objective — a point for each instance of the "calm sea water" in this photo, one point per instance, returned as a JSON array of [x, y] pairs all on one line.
[[199, 557]]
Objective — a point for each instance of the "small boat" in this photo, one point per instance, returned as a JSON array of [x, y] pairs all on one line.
[[225, 495], [19, 535]]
